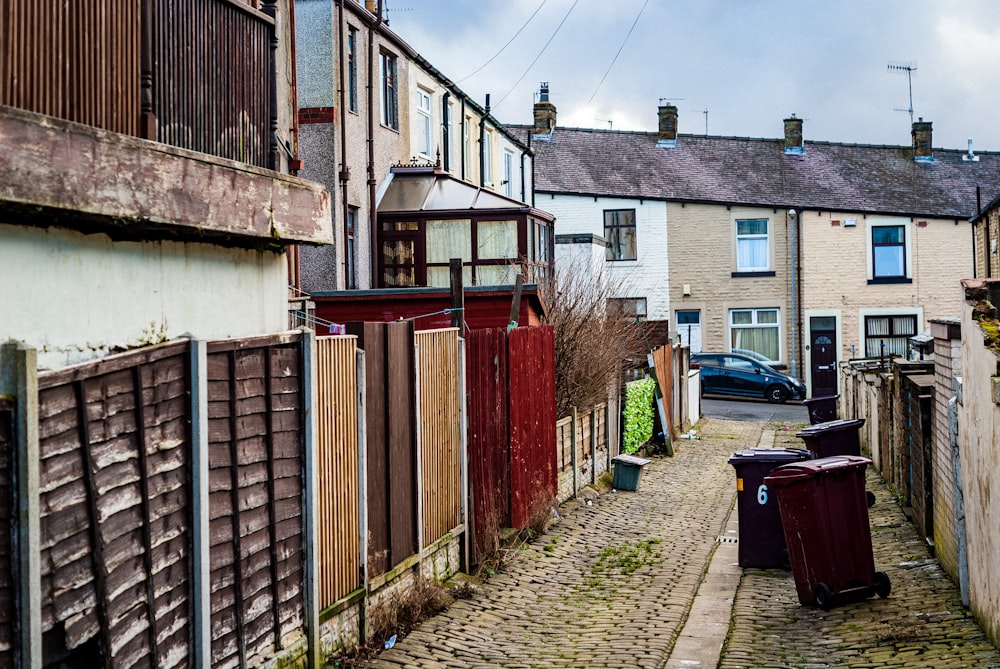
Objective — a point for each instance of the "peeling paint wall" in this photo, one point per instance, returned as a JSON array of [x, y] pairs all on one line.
[[76, 297], [980, 462]]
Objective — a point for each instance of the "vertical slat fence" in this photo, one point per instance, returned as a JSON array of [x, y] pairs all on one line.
[[337, 440], [440, 435]]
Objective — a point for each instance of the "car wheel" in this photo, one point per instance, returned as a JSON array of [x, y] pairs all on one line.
[[776, 394]]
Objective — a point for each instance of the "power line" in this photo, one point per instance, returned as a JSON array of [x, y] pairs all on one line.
[[525, 25], [539, 53], [613, 60]]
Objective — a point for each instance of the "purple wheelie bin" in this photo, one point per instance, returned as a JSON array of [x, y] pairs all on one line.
[[834, 437], [824, 514], [762, 541]]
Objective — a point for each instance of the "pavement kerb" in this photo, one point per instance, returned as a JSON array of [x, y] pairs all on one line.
[[699, 645]]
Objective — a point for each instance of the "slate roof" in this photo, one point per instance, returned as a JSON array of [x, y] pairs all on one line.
[[733, 170]]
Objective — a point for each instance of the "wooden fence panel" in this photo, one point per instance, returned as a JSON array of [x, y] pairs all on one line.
[[337, 462], [256, 466], [488, 436], [115, 496], [532, 396], [440, 432], [78, 61], [663, 367], [564, 439], [8, 580], [390, 427]]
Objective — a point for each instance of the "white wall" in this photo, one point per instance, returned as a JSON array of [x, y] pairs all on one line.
[[76, 297], [648, 275]]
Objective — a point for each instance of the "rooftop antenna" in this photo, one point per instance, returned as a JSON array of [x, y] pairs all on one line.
[[606, 120], [909, 68], [664, 101], [705, 112]]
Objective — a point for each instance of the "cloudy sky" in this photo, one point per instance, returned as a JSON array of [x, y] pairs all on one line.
[[749, 63]]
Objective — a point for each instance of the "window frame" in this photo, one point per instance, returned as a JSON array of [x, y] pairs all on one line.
[[352, 69], [508, 173], [350, 249], [389, 84], [756, 324], [906, 247], [488, 157], [632, 308], [914, 318], [614, 251], [425, 126], [753, 270]]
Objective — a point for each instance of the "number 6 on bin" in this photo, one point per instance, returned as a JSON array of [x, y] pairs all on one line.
[[762, 495]]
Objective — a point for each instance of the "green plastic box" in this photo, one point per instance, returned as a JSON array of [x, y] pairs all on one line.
[[628, 471]]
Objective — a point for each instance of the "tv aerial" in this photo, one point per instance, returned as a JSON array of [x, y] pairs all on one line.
[[907, 68]]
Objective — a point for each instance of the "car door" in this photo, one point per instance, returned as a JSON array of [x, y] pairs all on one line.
[[742, 377], [711, 373]]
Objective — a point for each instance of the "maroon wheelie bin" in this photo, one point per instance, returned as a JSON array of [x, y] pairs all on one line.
[[824, 514], [822, 409], [761, 541], [834, 437]]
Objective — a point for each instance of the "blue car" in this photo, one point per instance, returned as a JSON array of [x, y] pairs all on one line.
[[741, 375]]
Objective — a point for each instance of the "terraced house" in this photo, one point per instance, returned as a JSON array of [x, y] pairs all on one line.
[[805, 253]]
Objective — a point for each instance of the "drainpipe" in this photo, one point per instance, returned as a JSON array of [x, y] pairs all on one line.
[[461, 135], [792, 247], [956, 470], [446, 130], [482, 140], [372, 213], [345, 170], [987, 249]]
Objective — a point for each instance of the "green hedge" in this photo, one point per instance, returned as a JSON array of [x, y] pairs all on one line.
[[638, 414]]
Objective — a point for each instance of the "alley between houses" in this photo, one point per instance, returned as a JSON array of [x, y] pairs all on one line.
[[611, 584]]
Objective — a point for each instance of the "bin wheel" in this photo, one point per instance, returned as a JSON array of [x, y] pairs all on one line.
[[871, 498], [776, 394], [824, 596], [882, 584], [785, 560]]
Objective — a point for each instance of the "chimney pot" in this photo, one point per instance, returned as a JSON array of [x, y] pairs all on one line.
[[545, 114], [793, 136], [922, 136], [667, 134]]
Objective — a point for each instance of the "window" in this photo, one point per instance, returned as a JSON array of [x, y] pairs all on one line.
[[619, 230], [390, 107], [424, 133], [449, 149], [466, 144], [488, 158], [508, 174], [632, 308], [352, 69], [888, 252], [752, 245], [351, 249], [756, 330], [889, 335]]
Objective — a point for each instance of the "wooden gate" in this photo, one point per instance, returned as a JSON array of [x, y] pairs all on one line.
[[390, 429]]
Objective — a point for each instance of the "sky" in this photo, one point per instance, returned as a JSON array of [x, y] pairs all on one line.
[[749, 63]]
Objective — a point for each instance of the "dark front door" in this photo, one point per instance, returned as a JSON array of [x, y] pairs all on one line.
[[823, 356]]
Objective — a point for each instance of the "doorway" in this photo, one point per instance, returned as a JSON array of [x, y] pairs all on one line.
[[689, 328], [823, 355]]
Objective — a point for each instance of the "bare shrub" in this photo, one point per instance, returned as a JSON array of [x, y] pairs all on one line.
[[407, 606], [591, 340]]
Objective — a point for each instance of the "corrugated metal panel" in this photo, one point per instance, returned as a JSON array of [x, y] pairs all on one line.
[[533, 475], [8, 590], [78, 61], [488, 436], [114, 480], [440, 431], [337, 463], [256, 487]]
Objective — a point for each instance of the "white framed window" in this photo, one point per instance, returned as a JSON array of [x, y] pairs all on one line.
[[389, 102], [488, 157], [619, 230], [508, 173], [352, 69], [753, 245], [889, 251], [425, 133], [452, 137], [756, 330], [889, 335], [466, 148]]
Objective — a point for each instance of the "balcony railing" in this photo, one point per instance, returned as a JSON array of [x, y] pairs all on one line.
[[196, 74]]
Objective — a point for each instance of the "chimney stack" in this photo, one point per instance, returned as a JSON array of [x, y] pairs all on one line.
[[793, 136], [545, 114], [370, 6], [922, 152], [667, 134]]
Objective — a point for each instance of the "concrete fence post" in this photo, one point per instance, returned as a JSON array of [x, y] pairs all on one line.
[[310, 503], [201, 572], [573, 458]]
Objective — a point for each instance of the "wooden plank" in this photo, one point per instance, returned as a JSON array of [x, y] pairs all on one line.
[[402, 444], [140, 420]]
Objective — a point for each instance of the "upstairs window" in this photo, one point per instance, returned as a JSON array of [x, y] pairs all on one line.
[[508, 174], [753, 245], [390, 102], [619, 230], [488, 158], [424, 133], [352, 69], [888, 252]]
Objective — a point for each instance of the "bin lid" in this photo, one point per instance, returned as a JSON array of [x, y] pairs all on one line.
[[820, 398], [807, 469], [630, 460], [830, 426], [769, 455]]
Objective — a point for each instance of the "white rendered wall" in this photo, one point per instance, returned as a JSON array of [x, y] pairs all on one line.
[[76, 297], [648, 275]]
